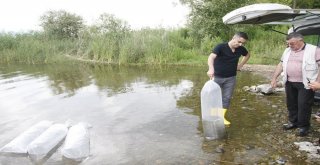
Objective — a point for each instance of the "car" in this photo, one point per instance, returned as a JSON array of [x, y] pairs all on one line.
[[304, 21]]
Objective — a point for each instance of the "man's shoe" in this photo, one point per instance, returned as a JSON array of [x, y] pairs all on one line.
[[289, 126], [303, 131]]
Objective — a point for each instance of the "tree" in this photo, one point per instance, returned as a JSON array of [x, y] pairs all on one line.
[[295, 4], [109, 25], [308, 4], [115, 31], [61, 24], [205, 18]]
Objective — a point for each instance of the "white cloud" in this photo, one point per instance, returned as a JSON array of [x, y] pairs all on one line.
[[24, 15]]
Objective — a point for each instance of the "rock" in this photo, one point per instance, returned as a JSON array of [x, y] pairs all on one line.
[[313, 157], [249, 147], [265, 89], [219, 149], [307, 146], [253, 89], [279, 90], [246, 88], [281, 160], [311, 149]]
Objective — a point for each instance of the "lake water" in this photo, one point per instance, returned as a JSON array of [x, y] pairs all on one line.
[[139, 115]]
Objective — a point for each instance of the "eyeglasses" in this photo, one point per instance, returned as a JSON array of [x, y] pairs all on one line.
[[293, 42]]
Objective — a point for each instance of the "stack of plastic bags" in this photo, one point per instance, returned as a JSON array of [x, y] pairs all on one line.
[[43, 137], [20, 144]]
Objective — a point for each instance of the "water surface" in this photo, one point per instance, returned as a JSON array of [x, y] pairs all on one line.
[[139, 115]]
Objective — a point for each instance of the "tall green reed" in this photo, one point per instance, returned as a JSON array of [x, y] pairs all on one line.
[[31, 48]]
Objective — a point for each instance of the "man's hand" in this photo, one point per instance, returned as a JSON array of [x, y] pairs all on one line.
[[314, 85], [273, 83], [210, 73]]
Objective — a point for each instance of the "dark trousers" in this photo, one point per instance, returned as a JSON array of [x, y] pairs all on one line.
[[227, 87], [299, 103]]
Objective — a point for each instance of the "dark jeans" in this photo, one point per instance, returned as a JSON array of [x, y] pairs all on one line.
[[227, 86], [299, 103]]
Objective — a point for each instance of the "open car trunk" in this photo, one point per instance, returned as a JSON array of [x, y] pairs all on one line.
[[304, 21]]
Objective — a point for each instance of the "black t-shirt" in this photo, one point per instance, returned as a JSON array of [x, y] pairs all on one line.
[[226, 62]]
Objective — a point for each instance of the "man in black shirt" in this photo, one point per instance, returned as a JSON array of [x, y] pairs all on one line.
[[223, 64]]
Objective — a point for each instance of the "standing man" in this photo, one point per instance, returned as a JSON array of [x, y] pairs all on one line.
[[223, 64], [299, 63]]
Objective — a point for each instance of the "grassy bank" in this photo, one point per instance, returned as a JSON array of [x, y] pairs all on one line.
[[32, 48], [146, 46]]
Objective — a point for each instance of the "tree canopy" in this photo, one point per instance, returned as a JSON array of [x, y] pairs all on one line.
[[61, 24]]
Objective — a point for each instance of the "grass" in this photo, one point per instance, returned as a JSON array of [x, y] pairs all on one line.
[[145, 46]]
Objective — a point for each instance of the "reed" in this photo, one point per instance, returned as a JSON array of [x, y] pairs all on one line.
[[146, 46], [32, 49]]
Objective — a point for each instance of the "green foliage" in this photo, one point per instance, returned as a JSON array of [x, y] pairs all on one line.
[[181, 38], [61, 24], [207, 44], [110, 33], [31, 48], [148, 46], [266, 47], [7, 41], [284, 2], [298, 4], [109, 25], [315, 40], [205, 18], [145, 46]]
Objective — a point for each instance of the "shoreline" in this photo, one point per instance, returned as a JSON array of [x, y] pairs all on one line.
[[263, 70]]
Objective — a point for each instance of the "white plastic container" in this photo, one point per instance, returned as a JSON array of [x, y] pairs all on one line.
[[77, 143], [20, 143], [49, 139], [212, 111]]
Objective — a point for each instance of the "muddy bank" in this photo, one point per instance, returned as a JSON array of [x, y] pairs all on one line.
[[263, 70]]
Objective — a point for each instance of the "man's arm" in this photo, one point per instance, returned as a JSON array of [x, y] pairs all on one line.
[[276, 75], [318, 77], [243, 61], [316, 84], [211, 58]]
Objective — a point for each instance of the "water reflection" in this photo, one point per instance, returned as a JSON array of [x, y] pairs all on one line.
[[133, 110], [140, 115]]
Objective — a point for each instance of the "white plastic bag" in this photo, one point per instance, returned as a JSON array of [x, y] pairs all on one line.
[[77, 143], [19, 144], [49, 139], [212, 111]]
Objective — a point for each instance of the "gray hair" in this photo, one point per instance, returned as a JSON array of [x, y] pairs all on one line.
[[294, 35]]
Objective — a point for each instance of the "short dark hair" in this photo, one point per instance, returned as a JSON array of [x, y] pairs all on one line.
[[294, 35], [242, 35]]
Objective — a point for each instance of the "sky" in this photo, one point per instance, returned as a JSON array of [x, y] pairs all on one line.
[[24, 15]]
